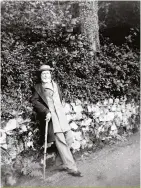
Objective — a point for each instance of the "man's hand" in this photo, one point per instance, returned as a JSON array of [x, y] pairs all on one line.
[[48, 116]]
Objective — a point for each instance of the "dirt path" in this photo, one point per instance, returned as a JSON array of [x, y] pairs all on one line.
[[116, 165]]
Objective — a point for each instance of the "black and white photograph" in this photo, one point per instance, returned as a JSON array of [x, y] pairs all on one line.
[[70, 93]]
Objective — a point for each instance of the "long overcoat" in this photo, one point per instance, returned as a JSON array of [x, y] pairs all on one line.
[[40, 103]]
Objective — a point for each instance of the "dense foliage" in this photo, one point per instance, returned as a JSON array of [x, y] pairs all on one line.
[[26, 44], [114, 72]]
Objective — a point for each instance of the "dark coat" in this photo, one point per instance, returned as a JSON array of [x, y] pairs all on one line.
[[41, 106]]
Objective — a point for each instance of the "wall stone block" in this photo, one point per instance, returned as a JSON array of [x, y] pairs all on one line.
[[77, 135], [119, 114], [11, 124], [86, 122], [111, 101], [116, 101], [68, 108], [114, 108], [76, 146], [73, 125], [83, 143]]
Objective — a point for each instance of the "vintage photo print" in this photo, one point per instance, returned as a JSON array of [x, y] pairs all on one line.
[[70, 93]]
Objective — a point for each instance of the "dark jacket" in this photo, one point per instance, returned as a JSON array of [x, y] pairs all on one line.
[[41, 106]]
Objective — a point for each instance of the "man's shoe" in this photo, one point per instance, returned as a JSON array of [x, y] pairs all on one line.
[[63, 168], [75, 173]]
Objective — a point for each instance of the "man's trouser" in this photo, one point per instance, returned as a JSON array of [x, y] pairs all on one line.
[[63, 142]]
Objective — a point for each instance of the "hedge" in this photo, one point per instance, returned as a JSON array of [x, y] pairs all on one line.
[[114, 72]]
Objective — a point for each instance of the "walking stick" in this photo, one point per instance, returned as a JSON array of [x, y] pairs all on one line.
[[45, 148]]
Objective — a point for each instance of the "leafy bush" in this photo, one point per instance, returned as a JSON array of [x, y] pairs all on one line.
[[81, 74], [31, 38]]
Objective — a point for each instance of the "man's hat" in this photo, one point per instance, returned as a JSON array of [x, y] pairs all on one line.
[[45, 68]]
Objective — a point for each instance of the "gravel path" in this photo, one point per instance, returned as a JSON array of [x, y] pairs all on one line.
[[115, 165]]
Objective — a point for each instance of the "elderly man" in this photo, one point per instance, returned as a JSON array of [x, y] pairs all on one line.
[[47, 101]]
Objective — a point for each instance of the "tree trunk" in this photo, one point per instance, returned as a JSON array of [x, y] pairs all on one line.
[[89, 23]]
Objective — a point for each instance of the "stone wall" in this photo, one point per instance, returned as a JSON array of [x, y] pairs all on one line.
[[105, 120]]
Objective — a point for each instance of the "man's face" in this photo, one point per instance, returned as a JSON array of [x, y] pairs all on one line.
[[46, 76]]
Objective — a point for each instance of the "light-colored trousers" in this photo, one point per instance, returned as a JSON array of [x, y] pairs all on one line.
[[63, 142]]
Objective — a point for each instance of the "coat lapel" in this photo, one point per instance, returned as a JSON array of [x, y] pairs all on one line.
[[40, 91]]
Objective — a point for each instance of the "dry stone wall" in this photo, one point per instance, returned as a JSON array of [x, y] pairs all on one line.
[[105, 120]]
